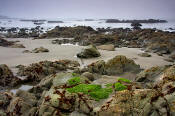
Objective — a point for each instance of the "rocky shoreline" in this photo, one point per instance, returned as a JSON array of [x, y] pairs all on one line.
[[65, 87]]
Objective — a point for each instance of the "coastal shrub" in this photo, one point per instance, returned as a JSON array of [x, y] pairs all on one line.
[[124, 80], [74, 81], [119, 86], [95, 91]]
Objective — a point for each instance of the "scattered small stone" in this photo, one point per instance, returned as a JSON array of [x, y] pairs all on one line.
[[144, 55], [40, 50], [108, 47], [17, 46]]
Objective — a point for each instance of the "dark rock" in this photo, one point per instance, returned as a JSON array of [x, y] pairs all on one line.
[[7, 78], [136, 25], [5, 43]]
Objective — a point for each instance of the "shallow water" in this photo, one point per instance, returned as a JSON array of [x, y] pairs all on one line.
[[22, 87], [95, 24]]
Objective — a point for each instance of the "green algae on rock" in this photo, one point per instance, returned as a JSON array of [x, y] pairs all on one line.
[[119, 86], [123, 80], [74, 81], [95, 91]]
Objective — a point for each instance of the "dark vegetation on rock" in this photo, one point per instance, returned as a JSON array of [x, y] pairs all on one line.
[[37, 71]]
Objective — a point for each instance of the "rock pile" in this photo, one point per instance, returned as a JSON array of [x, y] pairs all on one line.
[[37, 71]]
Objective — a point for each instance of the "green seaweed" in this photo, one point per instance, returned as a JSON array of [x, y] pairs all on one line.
[[120, 87], [103, 93], [109, 85], [95, 91], [84, 88], [124, 80], [74, 81]]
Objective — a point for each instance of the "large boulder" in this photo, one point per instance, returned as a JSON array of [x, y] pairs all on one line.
[[150, 76], [114, 66], [89, 52], [109, 47], [121, 64], [7, 78]]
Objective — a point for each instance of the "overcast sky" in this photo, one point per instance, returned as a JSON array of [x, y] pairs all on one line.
[[88, 8]]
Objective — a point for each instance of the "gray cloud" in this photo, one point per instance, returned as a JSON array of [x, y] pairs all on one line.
[[88, 8]]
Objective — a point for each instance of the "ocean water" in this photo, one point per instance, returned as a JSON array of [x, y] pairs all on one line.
[[8, 23]]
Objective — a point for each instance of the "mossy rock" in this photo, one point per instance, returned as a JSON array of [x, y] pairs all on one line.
[[123, 80], [84, 88], [95, 91], [119, 86], [101, 93], [74, 81]]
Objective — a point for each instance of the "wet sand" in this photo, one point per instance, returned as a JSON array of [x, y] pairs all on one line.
[[14, 56]]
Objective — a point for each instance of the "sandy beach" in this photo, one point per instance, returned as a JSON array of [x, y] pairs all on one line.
[[14, 56]]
